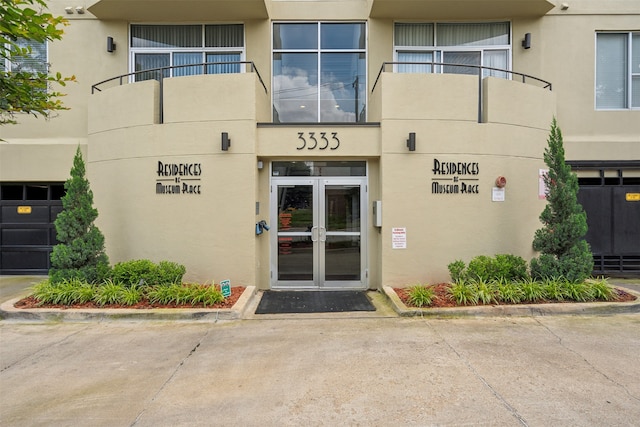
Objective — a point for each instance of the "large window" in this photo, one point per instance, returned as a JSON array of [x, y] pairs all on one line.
[[35, 61], [319, 72], [475, 44], [617, 71], [156, 46]]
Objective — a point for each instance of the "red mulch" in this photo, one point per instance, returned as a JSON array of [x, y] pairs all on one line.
[[442, 298], [31, 302]]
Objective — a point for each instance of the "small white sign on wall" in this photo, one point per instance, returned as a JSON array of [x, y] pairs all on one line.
[[497, 195], [542, 188], [399, 238]]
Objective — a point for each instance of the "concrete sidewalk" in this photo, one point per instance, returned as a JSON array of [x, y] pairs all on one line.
[[499, 371]]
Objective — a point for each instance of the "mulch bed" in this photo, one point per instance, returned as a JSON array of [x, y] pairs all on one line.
[[31, 302], [443, 299]]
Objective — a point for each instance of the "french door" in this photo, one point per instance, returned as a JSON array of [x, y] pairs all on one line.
[[319, 236]]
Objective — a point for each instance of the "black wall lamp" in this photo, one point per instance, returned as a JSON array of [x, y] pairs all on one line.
[[226, 142], [111, 45], [411, 142], [526, 42]]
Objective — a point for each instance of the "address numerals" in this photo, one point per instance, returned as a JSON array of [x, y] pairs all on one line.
[[312, 142]]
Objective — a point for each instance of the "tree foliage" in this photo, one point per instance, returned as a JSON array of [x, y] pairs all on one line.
[[27, 90], [81, 252], [564, 252]]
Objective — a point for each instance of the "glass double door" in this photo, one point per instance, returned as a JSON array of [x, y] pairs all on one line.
[[319, 238]]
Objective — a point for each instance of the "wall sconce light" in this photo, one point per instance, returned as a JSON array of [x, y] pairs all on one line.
[[69, 10], [526, 42], [411, 142], [80, 10], [564, 6], [111, 45], [226, 142]]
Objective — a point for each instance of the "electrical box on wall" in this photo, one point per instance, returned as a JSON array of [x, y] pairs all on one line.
[[377, 213]]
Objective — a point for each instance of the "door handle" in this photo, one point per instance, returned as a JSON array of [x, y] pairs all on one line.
[[314, 233], [323, 234]]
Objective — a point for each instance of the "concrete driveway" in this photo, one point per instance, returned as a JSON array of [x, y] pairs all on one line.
[[536, 371]]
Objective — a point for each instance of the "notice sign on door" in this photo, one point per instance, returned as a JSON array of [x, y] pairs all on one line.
[[399, 238]]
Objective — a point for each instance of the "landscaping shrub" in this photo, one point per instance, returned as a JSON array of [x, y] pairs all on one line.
[[486, 268], [509, 292], [457, 270], [463, 294], [564, 252], [132, 272], [601, 290], [421, 296], [81, 252]]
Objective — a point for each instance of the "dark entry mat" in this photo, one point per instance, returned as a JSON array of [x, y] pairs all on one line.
[[276, 302]]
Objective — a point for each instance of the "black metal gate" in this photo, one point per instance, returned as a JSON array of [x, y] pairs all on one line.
[[27, 232], [611, 199]]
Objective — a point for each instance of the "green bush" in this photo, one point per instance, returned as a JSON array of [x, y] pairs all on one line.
[[481, 267], [509, 292], [421, 296], [80, 253], [108, 293], [510, 267], [463, 294], [132, 272], [564, 252], [457, 270], [484, 291], [170, 272], [532, 291], [486, 268], [601, 290]]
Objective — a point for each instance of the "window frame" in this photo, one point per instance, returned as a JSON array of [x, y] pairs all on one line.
[[319, 51], [203, 50], [629, 72], [439, 51], [8, 64]]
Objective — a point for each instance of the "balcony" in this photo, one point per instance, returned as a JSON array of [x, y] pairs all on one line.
[[514, 98], [160, 99]]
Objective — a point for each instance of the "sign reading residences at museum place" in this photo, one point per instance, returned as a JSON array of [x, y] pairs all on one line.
[[455, 177], [178, 178]]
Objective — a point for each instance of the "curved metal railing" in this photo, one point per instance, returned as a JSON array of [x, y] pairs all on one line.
[[545, 84], [161, 73]]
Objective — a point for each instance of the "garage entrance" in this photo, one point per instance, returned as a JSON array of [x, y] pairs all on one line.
[[27, 232], [610, 195]]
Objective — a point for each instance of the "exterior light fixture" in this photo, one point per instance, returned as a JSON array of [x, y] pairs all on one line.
[[526, 42], [111, 45], [80, 10], [69, 10], [564, 6], [411, 142], [226, 142]]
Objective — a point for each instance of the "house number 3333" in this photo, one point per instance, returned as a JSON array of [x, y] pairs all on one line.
[[321, 141]]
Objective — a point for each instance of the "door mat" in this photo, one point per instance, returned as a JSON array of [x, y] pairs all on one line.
[[278, 302]]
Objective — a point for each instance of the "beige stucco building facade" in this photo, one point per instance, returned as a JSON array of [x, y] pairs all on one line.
[[378, 164]]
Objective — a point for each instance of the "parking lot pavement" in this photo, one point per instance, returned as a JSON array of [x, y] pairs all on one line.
[[558, 370]]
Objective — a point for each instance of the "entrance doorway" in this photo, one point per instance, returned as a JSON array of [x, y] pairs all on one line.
[[318, 238]]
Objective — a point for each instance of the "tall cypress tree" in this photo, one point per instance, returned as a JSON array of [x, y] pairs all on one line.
[[81, 252], [564, 252]]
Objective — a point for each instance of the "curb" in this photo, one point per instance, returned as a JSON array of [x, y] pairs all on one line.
[[9, 312], [524, 310]]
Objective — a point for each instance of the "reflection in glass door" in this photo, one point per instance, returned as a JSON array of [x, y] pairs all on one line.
[[318, 240]]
